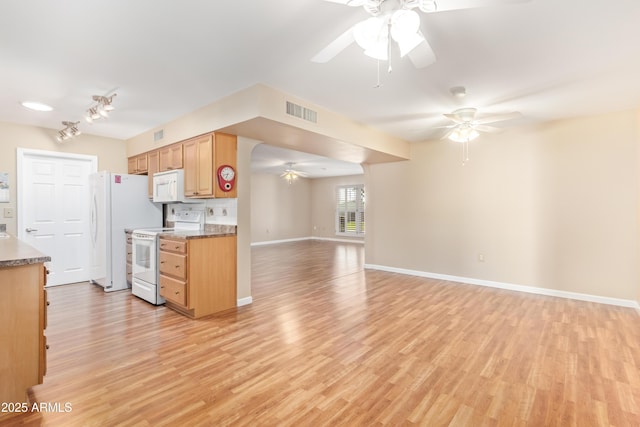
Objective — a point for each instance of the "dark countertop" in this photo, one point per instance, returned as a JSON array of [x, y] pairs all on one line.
[[202, 234], [14, 252], [210, 230]]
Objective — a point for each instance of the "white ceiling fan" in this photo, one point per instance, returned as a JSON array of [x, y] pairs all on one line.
[[291, 174], [397, 21], [467, 126]]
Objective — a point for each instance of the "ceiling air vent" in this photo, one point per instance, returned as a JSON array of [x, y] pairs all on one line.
[[157, 136], [301, 112]]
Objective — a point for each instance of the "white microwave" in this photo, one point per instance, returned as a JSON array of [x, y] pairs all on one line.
[[168, 187]]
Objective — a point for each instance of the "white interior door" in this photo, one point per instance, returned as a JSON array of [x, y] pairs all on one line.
[[53, 210]]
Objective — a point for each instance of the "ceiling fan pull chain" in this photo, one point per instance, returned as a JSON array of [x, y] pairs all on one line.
[[389, 46], [465, 151], [378, 84]]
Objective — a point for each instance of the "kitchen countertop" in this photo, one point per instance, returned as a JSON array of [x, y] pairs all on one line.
[[14, 252], [200, 234]]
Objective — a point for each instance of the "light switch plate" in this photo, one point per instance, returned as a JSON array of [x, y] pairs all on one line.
[[8, 212]]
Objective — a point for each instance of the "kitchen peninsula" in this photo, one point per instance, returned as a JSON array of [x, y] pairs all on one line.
[[198, 270], [23, 318]]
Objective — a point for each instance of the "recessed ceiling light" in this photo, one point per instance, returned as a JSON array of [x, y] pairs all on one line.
[[37, 106]]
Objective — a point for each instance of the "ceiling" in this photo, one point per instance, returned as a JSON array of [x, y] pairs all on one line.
[[547, 59], [274, 160]]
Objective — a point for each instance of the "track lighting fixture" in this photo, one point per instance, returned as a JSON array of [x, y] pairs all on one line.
[[70, 131], [101, 108]]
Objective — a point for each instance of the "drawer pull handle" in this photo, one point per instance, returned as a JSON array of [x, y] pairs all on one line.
[[161, 262], [48, 302], [177, 247], [177, 266], [47, 346], [177, 292]]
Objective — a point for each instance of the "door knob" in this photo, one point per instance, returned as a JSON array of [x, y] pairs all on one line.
[[29, 229]]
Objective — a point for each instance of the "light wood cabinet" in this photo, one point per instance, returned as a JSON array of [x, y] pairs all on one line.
[[153, 166], [225, 152], [202, 157], [23, 316], [171, 157], [138, 164], [198, 166], [198, 276]]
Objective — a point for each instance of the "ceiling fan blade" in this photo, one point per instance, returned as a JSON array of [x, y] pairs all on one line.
[[422, 55], [471, 4], [335, 47], [454, 118], [498, 118], [486, 128]]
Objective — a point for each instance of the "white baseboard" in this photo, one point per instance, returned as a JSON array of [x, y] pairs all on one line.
[[275, 242], [244, 301], [335, 239], [298, 239], [511, 287]]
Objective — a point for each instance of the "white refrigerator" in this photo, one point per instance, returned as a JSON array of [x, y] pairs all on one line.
[[118, 201]]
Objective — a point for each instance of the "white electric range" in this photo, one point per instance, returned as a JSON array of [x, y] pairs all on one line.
[[146, 274]]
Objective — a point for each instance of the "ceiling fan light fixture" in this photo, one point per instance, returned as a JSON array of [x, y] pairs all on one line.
[[403, 22], [408, 43], [369, 32], [463, 133]]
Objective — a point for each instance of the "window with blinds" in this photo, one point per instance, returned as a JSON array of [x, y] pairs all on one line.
[[350, 210]]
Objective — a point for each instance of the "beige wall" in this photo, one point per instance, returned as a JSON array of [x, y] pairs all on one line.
[[323, 205], [110, 152], [245, 147], [279, 211], [553, 207]]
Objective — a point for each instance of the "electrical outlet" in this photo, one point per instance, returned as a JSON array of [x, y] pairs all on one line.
[[8, 212]]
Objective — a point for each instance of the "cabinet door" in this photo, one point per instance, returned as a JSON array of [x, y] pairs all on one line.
[[205, 166], [225, 153], [176, 156], [190, 150], [198, 166], [141, 163], [153, 167], [131, 165]]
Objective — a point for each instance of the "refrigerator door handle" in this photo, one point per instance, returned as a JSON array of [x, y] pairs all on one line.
[[94, 221]]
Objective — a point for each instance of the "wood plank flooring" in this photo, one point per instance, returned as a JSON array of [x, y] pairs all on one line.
[[327, 343]]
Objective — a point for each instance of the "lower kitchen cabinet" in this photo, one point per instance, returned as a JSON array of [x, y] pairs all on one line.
[[198, 275], [23, 316]]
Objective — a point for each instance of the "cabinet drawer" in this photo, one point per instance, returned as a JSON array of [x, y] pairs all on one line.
[[129, 273], [173, 290], [173, 265], [177, 246]]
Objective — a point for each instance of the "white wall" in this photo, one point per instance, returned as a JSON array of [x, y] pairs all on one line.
[[279, 211], [552, 207]]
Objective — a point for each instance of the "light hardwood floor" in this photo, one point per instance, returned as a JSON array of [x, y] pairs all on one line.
[[327, 343]]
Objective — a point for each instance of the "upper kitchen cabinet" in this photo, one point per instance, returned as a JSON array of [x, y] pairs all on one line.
[[198, 166], [153, 166], [225, 153], [138, 164], [171, 157], [203, 156]]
